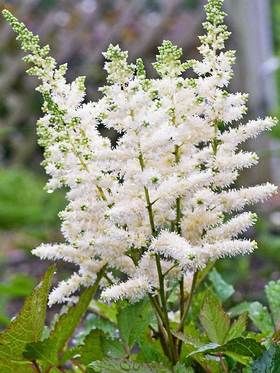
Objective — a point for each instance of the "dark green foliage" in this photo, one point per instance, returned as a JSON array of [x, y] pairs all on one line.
[[269, 362], [214, 320], [222, 288], [27, 327], [247, 347], [133, 321], [123, 339], [50, 350], [121, 366]]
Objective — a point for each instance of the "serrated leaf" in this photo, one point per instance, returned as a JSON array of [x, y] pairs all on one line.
[[105, 310], [133, 321], [127, 366], [94, 322], [239, 309], [239, 346], [261, 318], [243, 346], [96, 346], [221, 287], [269, 362], [49, 350], [204, 273], [25, 328], [113, 348], [92, 348], [150, 350], [272, 291], [208, 348], [192, 335], [237, 328], [214, 320], [245, 360], [196, 306], [181, 368]]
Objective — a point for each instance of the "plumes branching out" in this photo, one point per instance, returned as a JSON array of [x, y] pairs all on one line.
[[158, 206]]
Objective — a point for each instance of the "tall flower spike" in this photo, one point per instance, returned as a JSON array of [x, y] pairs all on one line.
[[168, 61], [162, 198], [119, 71]]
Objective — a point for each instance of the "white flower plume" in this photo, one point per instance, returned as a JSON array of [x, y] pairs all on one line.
[[164, 191]]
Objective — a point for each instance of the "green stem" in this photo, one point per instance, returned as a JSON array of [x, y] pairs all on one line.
[[150, 211], [182, 297], [36, 366], [156, 305], [164, 313], [164, 308], [170, 269], [161, 331], [187, 308], [223, 364]]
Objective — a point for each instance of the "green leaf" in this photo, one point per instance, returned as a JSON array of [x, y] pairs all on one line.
[[237, 328], [243, 346], [133, 321], [239, 309], [50, 349], [181, 368], [127, 366], [94, 322], [97, 346], [105, 310], [208, 348], [204, 273], [25, 328], [245, 360], [214, 320], [269, 362], [150, 350], [261, 318], [92, 348], [192, 335], [113, 348], [222, 288], [238, 346], [272, 291]]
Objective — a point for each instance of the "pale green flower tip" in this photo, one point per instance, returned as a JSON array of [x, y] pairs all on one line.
[[214, 12], [7, 14], [114, 53], [272, 286], [168, 61], [140, 68], [12, 20], [254, 217]]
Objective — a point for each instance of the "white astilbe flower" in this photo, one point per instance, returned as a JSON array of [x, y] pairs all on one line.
[[161, 198], [231, 229], [134, 289]]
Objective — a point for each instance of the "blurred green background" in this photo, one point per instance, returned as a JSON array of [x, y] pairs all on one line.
[[78, 31]]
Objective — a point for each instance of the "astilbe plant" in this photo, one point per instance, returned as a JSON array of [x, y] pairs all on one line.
[[154, 212]]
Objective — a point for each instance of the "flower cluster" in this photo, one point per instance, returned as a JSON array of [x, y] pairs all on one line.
[[161, 203]]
